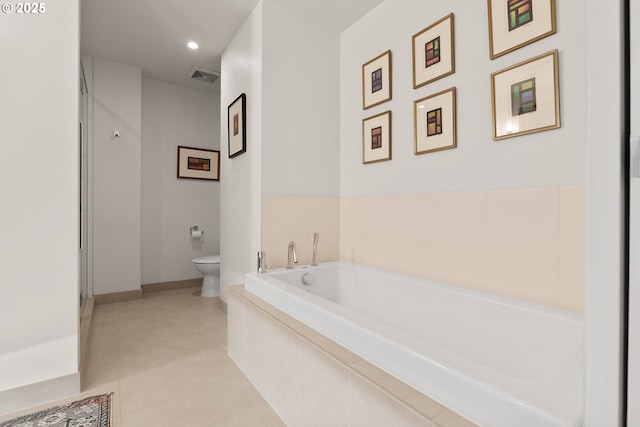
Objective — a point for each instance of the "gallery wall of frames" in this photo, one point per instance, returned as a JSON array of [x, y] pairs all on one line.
[[524, 95]]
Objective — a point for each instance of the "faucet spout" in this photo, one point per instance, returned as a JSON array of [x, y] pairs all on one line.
[[292, 258]]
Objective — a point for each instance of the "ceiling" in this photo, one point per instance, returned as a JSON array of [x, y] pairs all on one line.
[[152, 34]]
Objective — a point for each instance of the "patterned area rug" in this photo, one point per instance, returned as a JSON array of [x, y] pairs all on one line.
[[90, 412]]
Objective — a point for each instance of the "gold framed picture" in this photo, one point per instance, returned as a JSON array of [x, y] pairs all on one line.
[[376, 81], [524, 97], [433, 52], [376, 138], [517, 23], [434, 119]]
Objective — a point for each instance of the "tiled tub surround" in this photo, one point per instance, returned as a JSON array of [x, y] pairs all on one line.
[[522, 243], [286, 218], [498, 361], [310, 380]]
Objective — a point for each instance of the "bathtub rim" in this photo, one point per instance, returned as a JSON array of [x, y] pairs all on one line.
[[571, 316], [423, 405], [507, 404]]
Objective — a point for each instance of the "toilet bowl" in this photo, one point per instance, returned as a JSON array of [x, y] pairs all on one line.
[[209, 266]]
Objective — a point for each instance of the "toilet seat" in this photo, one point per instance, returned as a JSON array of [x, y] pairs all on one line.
[[211, 259]]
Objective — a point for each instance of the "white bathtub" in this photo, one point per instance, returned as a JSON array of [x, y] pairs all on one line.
[[497, 361]]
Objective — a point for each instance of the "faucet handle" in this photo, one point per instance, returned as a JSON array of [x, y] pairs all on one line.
[[316, 237]]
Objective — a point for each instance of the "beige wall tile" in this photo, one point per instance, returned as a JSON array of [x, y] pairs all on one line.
[[325, 219], [297, 219], [329, 247], [523, 221], [377, 217], [459, 219], [235, 328], [459, 266], [412, 217], [446, 235], [421, 403], [571, 278], [255, 366], [275, 255], [325, 389], [527, 277], [283, 373], [572, 227], [371, 407], [348, 244], [412, 258], [291, 215], [324, 215], [373, 251], [268, 220], [350, 214]]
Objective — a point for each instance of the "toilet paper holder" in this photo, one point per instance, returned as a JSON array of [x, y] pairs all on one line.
[[195, 231]]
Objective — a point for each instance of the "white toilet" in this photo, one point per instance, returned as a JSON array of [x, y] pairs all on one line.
[[209, 266]]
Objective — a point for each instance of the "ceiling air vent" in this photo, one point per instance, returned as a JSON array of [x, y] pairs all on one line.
[[204, 75]]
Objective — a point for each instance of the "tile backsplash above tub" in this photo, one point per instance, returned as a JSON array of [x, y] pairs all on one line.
[[523, 243], [287, 218]]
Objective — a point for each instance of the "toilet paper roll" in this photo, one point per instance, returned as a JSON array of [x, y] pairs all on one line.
[[196, 234]]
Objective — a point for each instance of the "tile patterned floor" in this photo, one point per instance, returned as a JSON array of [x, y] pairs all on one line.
[[165, 358]]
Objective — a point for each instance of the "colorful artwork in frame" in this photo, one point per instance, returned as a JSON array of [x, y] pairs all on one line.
[[376, 81], [434, 120], [198, 163], [524, 97], [376, 138], [517, 23], [433, 52], [237, 126]]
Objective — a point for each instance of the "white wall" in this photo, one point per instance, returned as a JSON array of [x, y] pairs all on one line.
[[604, 303], [633, 416], [39, 186], [301, 112], [174, 115], [300, 136], [478, 163], [240, 177], [116, 97], [288, 67]]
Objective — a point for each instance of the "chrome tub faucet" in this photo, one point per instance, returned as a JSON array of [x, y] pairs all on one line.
[[292, 258]]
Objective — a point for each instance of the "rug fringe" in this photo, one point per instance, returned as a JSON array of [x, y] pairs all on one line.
[[104, 410]]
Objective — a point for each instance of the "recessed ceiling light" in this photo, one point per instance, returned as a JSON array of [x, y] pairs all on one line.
[[192, 45]]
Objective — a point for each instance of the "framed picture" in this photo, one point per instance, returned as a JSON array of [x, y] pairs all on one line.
[[516, 23], [376, 138], [198, 163], [524, 97], [433, 52], [434, 119], [376, 81], [237, 117]]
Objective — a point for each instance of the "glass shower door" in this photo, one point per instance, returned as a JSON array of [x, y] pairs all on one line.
[[83, 181], [633, 372]]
